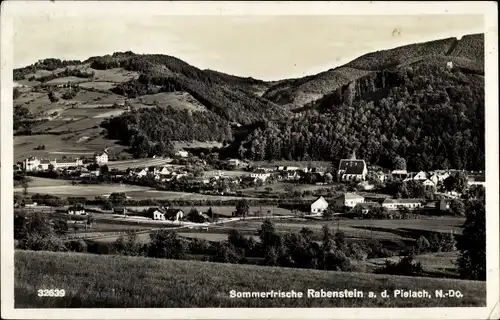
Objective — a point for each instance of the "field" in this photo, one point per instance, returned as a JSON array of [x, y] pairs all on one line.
[[177, 100], [134, 192], [96, 281], [365, 229]]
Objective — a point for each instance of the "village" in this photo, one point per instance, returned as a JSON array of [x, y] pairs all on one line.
[[359, 190]]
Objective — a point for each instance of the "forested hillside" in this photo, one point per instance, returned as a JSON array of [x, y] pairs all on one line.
[[423, 102], [429, 115], [150, 131]]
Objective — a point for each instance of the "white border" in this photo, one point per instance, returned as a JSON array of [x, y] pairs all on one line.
[[10, 9]]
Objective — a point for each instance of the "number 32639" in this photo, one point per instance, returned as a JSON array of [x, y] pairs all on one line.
[[51, 293]]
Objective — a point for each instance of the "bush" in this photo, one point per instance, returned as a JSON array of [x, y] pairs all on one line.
[[77, 246], [404, 267]]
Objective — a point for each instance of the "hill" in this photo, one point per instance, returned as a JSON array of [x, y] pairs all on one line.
[[466, 52], [105, 281], [404, 102]]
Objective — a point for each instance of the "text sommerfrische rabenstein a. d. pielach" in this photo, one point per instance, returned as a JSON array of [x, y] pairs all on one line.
[[344, 294]]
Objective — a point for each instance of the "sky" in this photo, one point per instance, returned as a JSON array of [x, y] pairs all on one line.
[[264, 47]]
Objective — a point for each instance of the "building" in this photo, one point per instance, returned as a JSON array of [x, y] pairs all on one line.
[[396, 204], [348, 200], [174, 214], [434, 178], [399, 174], [77, 210], [157, 214], [101, 158], [429, 183], [234, 162], [260, 174], [182, 154], [421, 176], [28, 203], [449, 65], [352, 170], [319, 206]]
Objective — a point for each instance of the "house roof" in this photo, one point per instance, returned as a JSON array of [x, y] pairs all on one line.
[[171, 212], [399, 172], [320, 198], [352, 166], [44, 161], [350, 196], [479, 178]]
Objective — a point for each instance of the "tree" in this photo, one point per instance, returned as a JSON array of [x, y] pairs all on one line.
[[267, 234], [117, 198], [165, 244], [16, 93], [104, 169], [456, 182], [457, 207], [60, 227], [399, 163], [476, 192], [340, 242], [53, 97], [242, 208], [472, 243]]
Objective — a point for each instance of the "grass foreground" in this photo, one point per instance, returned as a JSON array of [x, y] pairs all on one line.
[[107, 281]]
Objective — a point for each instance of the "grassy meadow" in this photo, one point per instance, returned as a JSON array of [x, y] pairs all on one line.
[[96, 281]]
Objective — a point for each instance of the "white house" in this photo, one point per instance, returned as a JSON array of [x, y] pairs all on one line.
[[319, 206], [449, 64], [435, 179], [234, 162], [101, 158], [182, 154], [420, 176], [352, 170], [429, 183], [260, 174], [76, 210], [348, 200], [158, 215], [395, 204]]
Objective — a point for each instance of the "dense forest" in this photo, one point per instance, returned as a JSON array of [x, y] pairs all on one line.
[[430, 116], [149, 130]]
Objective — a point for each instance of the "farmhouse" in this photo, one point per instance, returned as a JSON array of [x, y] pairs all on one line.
[[28, 203], [156, 213], [348, 200], [234, 162], [260, 174], [396, 204], [77, 210], [428, 183], [174, 214], [101, 158], [421, 176], [319, 206], [182, 154], [352, 170]]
